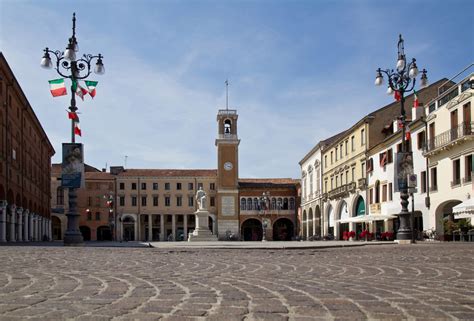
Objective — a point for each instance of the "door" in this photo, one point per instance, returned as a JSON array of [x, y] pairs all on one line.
[[454, 124], [467, 119]]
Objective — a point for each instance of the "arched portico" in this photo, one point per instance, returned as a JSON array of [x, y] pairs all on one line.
[[283, 230], [86, 232], [343, 214], [330, 220], [252, 230], [129, 228], [443, 213], [304, 224], [310, 225], [317, 220]]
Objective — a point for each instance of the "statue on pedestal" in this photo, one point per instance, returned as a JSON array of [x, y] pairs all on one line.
[[201, 198]]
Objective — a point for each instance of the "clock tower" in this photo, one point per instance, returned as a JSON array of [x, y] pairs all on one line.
[[227, 143]]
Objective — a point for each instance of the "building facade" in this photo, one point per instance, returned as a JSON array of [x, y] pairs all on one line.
[[25, 165], [450, 149]]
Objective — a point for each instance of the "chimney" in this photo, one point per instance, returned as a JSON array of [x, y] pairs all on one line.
[[104, 170], [115, 170]]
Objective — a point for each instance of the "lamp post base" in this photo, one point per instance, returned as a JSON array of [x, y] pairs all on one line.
[[404, 242], [73, 239], [404, 234]]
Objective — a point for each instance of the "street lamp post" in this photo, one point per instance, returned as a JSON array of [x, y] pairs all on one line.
[[111, 219], [75, 69], [402, 80], [264, 202]]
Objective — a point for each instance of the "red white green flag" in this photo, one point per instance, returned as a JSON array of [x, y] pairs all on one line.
[[416, 103], [407, 133], [57, 87], [91, 87], [78, 89], [77, 130]]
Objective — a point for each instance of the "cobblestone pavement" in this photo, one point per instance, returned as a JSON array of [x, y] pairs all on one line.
[[425, 282]]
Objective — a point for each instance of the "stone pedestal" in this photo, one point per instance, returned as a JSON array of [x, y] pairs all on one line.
[[202, 232]]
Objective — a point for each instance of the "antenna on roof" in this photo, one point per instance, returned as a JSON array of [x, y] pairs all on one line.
[[125, 166], [226, 94]]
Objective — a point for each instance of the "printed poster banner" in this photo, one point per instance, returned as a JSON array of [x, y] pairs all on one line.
[[72, 175], [403, 169]]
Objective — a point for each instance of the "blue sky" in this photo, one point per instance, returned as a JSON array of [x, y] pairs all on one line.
[[299, 71]]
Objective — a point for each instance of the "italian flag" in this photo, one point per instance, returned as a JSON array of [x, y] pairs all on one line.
[[78, 89], [407, 133], [91, 87], [57, 87], [416, 103]]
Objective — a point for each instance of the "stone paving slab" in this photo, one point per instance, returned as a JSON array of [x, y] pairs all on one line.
[[385, 282]]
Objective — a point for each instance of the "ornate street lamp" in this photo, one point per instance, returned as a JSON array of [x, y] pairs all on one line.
[[69, 66], [400, 81], [264, 202]]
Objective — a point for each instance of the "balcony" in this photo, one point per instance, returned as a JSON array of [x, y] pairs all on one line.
[[465, 131], [342, 191]]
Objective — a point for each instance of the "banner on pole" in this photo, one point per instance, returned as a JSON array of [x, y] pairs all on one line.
[[72, 175]]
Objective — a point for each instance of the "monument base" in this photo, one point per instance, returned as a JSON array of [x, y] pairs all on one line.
[[202, 232]]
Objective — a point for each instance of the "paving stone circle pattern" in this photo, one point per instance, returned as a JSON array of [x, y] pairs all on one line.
[[417, 282]]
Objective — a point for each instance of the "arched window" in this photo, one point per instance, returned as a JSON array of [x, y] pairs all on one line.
[[292, 203], [227, 127], [279, 203], [249, 204], [242, 204], [274, 203], [256, 205], [60, 196], [285, 203], [311, 183]]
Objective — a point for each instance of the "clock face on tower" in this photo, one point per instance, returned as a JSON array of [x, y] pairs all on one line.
[[228, 166]]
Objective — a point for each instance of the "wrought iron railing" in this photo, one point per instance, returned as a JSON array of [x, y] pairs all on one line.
[[449, 136], [342, 190]]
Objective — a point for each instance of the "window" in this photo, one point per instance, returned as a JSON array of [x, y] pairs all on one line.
[[311, 183], [347, 144], [332, 182], [325, 160], [371, 196], [256, 204], [97, 216], [274, 204], [155, 200], [347, 177], [213, 201], [60, 196], [421, 139], [384, 193], [200, 185], [122, 186], [353, 173], [190, 201], [340, 151], [336, 153], [390, 192], [332, 158], [363, 168], [362, 137], [292, 203], [249, 204], [190, 186], [468, 167], [352, 143], [179, 201], [134, 186], [178, 186], [370, 165], [212, 186], [337, 181], [325, 186], [134, 201], [285, 203], [89, 216], [122, 201], [155, 186], [456, 172], [434, 179], [143, 186], [143, 200], [399, 148], [167, 186], [423, 182], [377, 192], [167, 201]]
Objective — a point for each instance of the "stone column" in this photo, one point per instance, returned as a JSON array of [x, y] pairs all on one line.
[[185, 227], [19, 212], [3, 221], [26, 221], [136, 228], [35, 228], [173, 227], [50, 229], [31, 228], [12, 223], [40, 228], [307, 227], [214, 225], [150, 228], [162, 227]]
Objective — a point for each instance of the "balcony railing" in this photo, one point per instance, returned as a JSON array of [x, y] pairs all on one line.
[[465, 129], [342, 191]]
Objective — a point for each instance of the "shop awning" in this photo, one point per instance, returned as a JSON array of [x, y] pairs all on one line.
[[465, 208], [367, 218]]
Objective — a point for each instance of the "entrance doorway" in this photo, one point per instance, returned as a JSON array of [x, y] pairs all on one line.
[[252, 230], [104, 233], [283, 230], [86, 232]]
